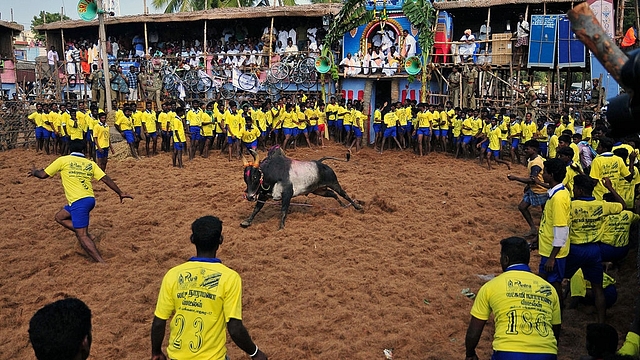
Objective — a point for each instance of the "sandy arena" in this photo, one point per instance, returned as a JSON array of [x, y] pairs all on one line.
[[335, 284]]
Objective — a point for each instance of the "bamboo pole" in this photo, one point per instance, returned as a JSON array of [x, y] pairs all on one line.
[[64, 64], [635, 5], [271, 43], [102, 34], [486, 44]]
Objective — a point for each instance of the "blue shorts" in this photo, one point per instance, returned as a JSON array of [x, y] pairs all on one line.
[[289, 131], [515, 143], [535, 199], [331, 123], [276, 131], [138, 130], [46, 134], [153, 135], [390, 131], [504, 143], [611, 253], [508, 355], [128, 135], [39, 133], [303, 131], [586, 257], [195, 133], [348, 128], [102, 153], [251, 145], [263, 134], [66, 138], [377, 127], [54, 135], [357, 132], [80, 210], [408, 128], [89, 136], [340, 124], [436, 133], [179, 146], [165, 133], [230, 140], [444, 133], [466, 139], [313, 128], [484, 146], [610, 297], [558, 269], [495, 153], [543, 148], [423, 131]]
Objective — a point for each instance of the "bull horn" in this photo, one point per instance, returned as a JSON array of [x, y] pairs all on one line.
[[245, 162], [256, 162]]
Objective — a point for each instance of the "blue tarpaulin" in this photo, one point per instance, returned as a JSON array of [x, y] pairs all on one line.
[[542, 40], [571, 52]]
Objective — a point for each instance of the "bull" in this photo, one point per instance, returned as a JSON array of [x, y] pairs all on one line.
[[281, 178]]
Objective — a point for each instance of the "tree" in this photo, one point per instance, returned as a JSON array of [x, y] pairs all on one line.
[[422, 15], [45, 17], [171, 6]]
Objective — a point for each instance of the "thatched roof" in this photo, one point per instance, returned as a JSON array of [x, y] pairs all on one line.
[[457, 4], [313, 10], [11, 25]]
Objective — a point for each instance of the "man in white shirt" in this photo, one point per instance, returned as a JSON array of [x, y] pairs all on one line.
[[522, 40], [409, 48], [52, 57], [468, 46], [291, 47], [349, 64]]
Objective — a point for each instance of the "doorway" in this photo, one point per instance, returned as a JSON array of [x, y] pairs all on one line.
[[383, 91]]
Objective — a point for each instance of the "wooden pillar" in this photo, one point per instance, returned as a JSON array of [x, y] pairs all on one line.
[[395, 89], [270, 42]]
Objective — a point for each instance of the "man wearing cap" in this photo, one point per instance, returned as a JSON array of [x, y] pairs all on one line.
[[470, 75], [454, 79]]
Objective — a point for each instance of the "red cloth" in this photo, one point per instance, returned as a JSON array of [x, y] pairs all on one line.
[[629, 38]]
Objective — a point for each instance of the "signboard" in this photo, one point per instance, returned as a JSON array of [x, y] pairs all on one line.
[[604, 12], [542, 40], [571, 52]]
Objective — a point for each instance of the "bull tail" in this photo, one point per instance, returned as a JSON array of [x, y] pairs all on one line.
[[348, 157]]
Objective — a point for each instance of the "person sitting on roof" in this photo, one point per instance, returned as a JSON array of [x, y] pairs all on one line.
[[468, 46]]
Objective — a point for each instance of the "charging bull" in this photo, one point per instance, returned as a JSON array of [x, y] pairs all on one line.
[[281, 178]]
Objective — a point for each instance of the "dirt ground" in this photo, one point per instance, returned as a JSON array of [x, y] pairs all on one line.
[[335, 284]]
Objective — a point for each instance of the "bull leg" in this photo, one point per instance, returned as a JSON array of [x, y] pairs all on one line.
[[337, 188], [262, 199], [287, 194], [326, 192]]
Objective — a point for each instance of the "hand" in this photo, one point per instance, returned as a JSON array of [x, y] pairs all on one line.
[[548, 266], [510, 177], [575, 167], [632, 157], [607, 183], [125, 196], [160, 356]]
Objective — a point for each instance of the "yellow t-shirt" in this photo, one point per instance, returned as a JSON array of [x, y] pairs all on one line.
[[538, 161], [249, 136], [331, 111], [587, 219], [54, 121], [149, 120], [457, 127], [477, 125], [390, 119], [377, 117], [631, 345], [74, 129], [46, 122], [164, 120], [514, 130], [576, 153], [193, 118], [203, 296], [260, 118], [423, 120], [579, 285], [301, 120], [232, 122], [607, 165], [358, 119], [125, 123], [219, 119], [444, 120], [525, 307], [553, 146], [626, 189], [177, 129], [36, 117], [76, 173], [543, 136], [349, 117], [586, 132], [287, 119], [137, 118], [206, 130], [528, 130], [101, 136], [322, 117], [616, 228], [468, 124], [62, 121], [504, 128], [568, 178], [555, 214], [494, 138], [435, 121]]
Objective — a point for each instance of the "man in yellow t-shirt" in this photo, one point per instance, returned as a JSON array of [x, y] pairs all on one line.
[[124, 125], [377, 124], [534, 194], [492, 140], [607, 165], [515, 134], [208, 128], [102, 141], [525, 307], [179, 137], [586, 231], [205, 299], [163, 122], [194, 122], [76, 173], [390, 130], [249, 136], [423, 128], [36, 118], [150, 127], [553, 246], [581, 292], [614, 243]]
